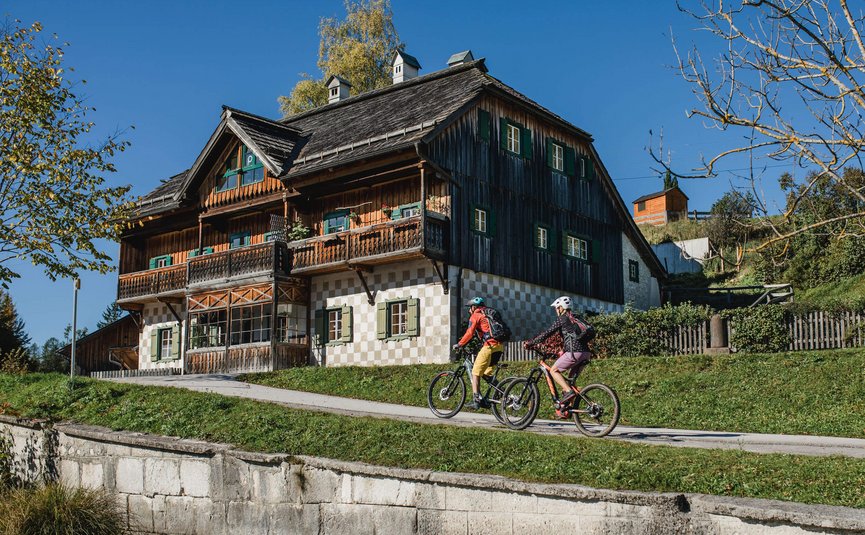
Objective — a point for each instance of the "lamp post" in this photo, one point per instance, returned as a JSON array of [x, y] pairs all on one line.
[[76, 285]]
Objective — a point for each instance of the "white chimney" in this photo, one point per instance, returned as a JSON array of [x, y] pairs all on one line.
[[460, 57], [337, 89], [405, 67]]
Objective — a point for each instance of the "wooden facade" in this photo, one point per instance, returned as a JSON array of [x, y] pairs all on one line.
[[661, 208], [114, 347]]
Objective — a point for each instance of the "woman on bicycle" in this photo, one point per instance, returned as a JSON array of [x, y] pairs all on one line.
[[572, 349]]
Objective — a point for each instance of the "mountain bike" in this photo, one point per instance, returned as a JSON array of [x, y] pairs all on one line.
[[595, 409], [446, 394]]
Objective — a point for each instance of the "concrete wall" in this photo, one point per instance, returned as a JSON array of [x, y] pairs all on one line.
[[644, 293], [171, 485], [685, 256]]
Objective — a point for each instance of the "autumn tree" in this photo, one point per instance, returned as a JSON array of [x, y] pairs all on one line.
[[54, 203], [787, 75], [359, 49]]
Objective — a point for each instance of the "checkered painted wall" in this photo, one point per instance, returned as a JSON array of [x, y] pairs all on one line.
[[524, 306], [157, 316], [396, 281]]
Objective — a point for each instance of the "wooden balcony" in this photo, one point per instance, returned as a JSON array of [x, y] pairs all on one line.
[[266, 259], [375, 244], [151, 283]]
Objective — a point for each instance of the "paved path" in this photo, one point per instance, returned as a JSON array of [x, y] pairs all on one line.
[[795, 444]]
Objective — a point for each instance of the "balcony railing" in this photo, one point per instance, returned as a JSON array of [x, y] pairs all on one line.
[[271, 258], [152, 282], [370, 244]]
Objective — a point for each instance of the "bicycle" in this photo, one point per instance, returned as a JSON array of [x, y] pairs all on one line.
[[595, 409], [446, 394]]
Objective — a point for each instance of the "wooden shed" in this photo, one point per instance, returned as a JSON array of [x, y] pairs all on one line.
[[661, 207]]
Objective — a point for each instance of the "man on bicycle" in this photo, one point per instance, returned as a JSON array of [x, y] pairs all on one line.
[[572, 351], [490, 353]]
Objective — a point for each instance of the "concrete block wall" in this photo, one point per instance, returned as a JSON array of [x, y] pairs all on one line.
[[171, 485]]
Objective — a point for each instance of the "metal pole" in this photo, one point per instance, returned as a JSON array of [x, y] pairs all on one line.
[[76, 284]]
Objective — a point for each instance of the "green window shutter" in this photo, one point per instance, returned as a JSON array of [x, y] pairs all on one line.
[[549, 152], [320, 330], [152, 263], [154, 345], [491, 223], [590, 169], [570, 158], [503, 133], [381, 321], [413, 317], [175, 342], [526, 142], [484, 124], [565, 243], [596, 251], [346, 324]]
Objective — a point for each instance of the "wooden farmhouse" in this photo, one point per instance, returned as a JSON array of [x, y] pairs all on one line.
[[661, 207], [353, 233]]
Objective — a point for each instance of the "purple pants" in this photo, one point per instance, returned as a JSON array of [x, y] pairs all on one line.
[[572, 361]]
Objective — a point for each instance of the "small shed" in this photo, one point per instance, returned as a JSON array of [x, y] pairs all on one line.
[[661, 207]]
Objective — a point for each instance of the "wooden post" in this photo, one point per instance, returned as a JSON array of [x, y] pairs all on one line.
[[200, 236], [423, 208]]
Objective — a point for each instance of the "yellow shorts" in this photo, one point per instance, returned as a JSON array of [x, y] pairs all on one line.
[[484, 361]]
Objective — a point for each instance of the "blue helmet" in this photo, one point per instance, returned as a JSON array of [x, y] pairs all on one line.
[[475, 302]]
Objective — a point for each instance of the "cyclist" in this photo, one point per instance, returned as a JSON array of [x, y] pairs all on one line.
[[488, 356], [571, 348]]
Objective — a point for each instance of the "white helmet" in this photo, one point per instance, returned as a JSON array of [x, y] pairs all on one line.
[[564, 302]]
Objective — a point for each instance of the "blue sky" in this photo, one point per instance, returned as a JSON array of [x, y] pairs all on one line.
[[166, 68]]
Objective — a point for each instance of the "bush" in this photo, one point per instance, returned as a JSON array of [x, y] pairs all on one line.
[[635, 333], [60, 510], [761, 329]]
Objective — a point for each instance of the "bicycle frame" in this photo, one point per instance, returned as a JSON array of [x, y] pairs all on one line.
[[466, 366]]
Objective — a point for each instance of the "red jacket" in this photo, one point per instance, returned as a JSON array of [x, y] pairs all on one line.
[[480, 325]]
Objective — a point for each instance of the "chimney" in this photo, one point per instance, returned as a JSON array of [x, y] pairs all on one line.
[[337, 89], [460, 57], [405, 67]]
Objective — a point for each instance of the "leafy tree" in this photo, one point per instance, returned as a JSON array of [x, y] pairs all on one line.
[[112, 313], [789, 75], [360, 49], [49, 358], [54, 204]]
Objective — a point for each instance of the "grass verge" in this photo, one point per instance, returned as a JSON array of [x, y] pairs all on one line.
[[607, 464], [809, 393]]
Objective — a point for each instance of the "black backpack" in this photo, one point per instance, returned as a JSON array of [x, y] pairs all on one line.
[[499, 330], [588, 331]]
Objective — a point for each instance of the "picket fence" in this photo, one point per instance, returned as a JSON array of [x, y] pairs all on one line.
[[813, 330]]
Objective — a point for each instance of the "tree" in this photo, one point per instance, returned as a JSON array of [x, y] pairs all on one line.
[[13, 334], [730, 223], [789, 75], [670, 180], [112, 313], [54, 204], [360, 49]]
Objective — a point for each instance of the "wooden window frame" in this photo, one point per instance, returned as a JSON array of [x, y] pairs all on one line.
[[384, 319], [476, 210], [244, 234], [286, 324], [558, 157], [154, 262], [633, 271], [195, 339], [332, 215], [391, 333], [536, 231], [264, 332], [514, 143], [160, 336], [322, 325], [396, 213], [580, 240], [204, 251]]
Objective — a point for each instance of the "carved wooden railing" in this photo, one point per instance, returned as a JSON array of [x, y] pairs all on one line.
[[272, 257], [151, 282], [368, 242]]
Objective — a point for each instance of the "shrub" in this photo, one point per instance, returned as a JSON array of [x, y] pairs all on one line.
[[761, 329], [633, 333], [60, 510]]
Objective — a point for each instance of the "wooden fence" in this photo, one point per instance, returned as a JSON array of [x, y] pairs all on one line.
[[813, 330]]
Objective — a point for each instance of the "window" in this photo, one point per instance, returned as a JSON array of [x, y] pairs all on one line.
[[398, 69], [336, 222], [585, 168], [513, 139], [205, 250], [542, 237], [334, 91], [410, 211], [253, 170], [479, 223], [641, 206], [576, 247], [165, 343], [240, 239], [291, 323], [333, 325], [207, 329], [558, 157], [633, 271], [398, 319], [250, 324], [273, 236], [160, 261], [241, 167]]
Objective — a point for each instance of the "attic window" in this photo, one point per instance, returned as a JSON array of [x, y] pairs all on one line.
[[334, 91], [398, 69], [253, 171]]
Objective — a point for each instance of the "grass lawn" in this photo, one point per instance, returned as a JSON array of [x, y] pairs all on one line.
[[258, 426], [809, 393]]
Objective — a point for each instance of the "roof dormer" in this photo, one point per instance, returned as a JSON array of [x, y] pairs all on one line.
[[337, 89], [405, 67]]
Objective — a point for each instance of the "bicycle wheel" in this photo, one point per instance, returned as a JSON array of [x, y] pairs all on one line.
[[496, 399], [519, 405], [596, 410], [446, 394]]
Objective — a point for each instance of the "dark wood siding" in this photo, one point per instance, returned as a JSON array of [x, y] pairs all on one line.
[[520, 193]]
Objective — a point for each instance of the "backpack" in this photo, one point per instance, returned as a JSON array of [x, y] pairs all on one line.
[[499, 330], [588, 331]]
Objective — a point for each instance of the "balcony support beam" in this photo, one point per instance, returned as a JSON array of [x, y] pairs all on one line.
[[370, 296], [167, 302], [442, 273]]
